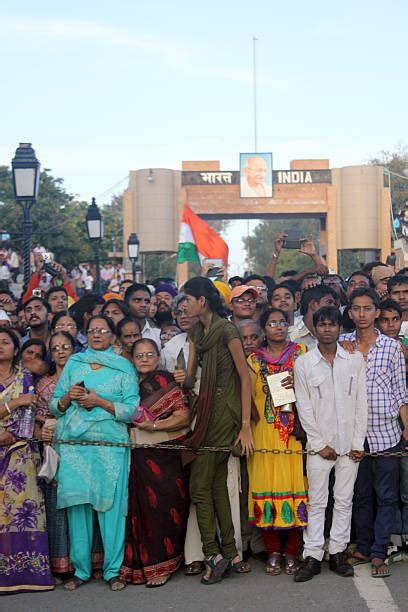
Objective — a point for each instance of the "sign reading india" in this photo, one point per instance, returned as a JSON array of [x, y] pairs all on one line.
[[232, 177]]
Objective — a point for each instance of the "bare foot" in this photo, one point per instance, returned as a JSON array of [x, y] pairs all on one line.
[[158, 582], [73, 583]]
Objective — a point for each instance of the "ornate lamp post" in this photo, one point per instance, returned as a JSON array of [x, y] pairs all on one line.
[[94, 226], [26, 179], [133, 246]]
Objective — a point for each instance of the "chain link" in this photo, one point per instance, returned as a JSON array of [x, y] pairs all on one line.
[[215, 449]]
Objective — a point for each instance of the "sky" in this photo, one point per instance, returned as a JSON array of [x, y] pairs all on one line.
[[102, 87]]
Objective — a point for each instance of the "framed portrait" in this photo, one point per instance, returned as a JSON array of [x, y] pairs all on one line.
[[255, 175]]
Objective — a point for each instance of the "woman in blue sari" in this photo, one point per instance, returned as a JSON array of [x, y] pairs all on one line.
[[95, 397]]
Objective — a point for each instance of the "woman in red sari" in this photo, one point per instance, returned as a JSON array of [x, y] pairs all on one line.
[[158, 484]]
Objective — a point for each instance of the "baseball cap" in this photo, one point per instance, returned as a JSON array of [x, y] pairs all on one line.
[[238, 291]]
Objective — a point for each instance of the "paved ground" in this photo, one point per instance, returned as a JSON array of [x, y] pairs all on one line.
[[251, 592]]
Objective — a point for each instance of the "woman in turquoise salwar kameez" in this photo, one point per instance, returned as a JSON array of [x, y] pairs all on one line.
[[95, 477]]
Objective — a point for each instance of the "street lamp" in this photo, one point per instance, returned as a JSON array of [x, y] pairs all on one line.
[[26, 179], [133, 246], [94, 226]]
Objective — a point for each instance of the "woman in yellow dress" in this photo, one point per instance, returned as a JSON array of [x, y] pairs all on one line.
[[277, 499]]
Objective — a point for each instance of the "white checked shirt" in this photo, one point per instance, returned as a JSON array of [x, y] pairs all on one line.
[[386, 387]]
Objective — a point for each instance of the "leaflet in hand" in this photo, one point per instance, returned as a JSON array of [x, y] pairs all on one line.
[[280, 395]]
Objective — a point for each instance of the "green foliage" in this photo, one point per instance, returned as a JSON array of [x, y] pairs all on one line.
[[395, 161], [58, 220], [260, 245]]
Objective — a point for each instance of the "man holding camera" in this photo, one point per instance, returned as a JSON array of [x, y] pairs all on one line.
[[60, 277]]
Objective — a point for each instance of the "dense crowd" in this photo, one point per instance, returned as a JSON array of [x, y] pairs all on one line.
[[106, 402]]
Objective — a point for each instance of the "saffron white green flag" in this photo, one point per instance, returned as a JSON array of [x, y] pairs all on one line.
[[198, 240]]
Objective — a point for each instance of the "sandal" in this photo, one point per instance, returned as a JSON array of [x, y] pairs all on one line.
[[240, 566], [194, 569], [357, 558], [291, 565], [158, 581], [273, 564], [375, 570], [116, 584], [74, 583], [215, 570]]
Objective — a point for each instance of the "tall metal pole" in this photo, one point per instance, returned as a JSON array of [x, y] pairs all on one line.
[[27, 233], [254, 41], [97, 268], [134, 269]]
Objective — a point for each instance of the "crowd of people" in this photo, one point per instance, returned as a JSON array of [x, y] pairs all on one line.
[[131, 425]]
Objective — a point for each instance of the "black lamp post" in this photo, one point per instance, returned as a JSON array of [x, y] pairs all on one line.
[[133, 246], [26, 179], [94, 226]]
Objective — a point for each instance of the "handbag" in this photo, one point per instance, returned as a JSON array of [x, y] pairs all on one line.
[[49, 465]]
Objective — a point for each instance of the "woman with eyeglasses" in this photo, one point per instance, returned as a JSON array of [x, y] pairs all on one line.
[[277, 501], [63, 322], [62, 346], [158, 483], [95, 397]]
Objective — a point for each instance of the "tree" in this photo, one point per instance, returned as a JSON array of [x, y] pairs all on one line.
[[396, 162], [260, 245]]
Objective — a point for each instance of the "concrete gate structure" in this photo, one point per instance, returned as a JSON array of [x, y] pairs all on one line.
[[352, 203]]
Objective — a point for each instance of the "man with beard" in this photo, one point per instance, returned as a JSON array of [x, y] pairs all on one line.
[[251, 335], [137, 297], [36, 311], [165, 293]]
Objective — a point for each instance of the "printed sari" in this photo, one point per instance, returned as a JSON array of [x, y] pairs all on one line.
[[158, 496], [24, 558]]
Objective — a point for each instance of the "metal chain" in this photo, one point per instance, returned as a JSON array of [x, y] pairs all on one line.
[[216, 449]]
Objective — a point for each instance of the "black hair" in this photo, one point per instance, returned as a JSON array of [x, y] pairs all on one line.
[[136, 287], [124, 308], [107, 320], [35, 342], [58, 316], [204, 287], [236, 278], [66, 335], [368, 292], [252, 277], [285, 285], [391, 305], [149, 341], [399, 279], [52, 290], [361, 273], [265, 316], [289, 273], [38, 299], [123, 322], [368, 267], [84, 305], [270, 284], [402, 271], [14, 338], [315, 294], [9, 293], [327, 313]]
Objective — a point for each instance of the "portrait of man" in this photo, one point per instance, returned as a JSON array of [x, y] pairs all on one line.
[[256, 175]]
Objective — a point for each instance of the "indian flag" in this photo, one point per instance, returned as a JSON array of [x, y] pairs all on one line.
[[199, 241]]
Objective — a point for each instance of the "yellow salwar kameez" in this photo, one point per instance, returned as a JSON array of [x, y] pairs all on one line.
[[277, 486]]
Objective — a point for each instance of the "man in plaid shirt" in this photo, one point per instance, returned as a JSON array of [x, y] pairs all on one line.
[[376, 489]]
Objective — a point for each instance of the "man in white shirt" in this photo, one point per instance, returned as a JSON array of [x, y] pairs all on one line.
[[312, 299], [331, 399]]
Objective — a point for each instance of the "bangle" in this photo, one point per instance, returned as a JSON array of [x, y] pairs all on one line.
[[245, 422], [7, 407], [60, 407]]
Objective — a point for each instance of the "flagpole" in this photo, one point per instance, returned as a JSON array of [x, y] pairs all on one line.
[[254, 41]]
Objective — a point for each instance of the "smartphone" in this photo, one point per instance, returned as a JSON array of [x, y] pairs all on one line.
[[81, 384], [214, 263], [214, 273], [293, 239]]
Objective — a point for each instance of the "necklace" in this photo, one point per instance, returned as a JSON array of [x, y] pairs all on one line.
[[4, 380]]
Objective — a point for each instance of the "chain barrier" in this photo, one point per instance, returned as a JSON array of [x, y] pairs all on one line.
[[216, 449]]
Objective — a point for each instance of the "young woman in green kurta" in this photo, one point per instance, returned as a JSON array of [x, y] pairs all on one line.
[[95, 477], [223, 419]]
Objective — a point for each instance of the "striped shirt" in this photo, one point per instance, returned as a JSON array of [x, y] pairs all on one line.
[[386, 385]]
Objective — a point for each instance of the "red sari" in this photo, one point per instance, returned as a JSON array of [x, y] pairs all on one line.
[[158, 504]]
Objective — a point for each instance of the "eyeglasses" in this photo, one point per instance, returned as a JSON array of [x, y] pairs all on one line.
[[363, 283], [148, 355], [241, 300], [169, 334], [66, 326], [181, 312], [277, 324], [98, 330], [61, 347]]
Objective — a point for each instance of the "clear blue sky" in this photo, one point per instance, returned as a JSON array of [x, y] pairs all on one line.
[[102, 87]]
